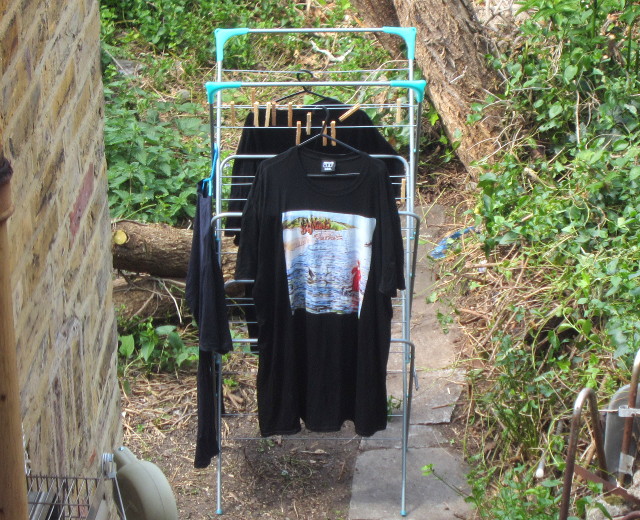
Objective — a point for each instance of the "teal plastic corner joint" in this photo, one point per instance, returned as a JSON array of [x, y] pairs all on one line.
[[214, 86], [222, 35], [408, 34], [417, 85]]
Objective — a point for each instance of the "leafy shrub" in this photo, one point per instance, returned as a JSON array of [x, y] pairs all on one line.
[[156, 152], [558, 219], [154, 348]]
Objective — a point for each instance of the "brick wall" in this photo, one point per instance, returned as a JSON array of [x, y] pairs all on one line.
[[51, 111]]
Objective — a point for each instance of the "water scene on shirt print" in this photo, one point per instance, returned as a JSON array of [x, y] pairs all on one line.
[[328, 257]]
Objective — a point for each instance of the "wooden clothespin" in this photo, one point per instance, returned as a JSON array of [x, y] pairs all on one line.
[[333, 133], [349, 112], [398, 111], [308, 123], [290, 114], [232, 113], [256, 113], [267, 114], [298, 131], [253, 97], [273, 113], [324, 139]]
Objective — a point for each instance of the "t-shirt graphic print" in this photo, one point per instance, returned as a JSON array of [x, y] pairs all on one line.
[[328, 257]]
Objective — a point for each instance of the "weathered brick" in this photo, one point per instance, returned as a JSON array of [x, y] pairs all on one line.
[[34, 43], [48, 179], [4, 10], [10, 41], [20, 127], [62, 98], [29, 9], [17, 83], [83, 108]]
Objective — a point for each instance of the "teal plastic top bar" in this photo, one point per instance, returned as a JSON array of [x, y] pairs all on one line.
[[214, 86], [222, 35], [409, 36], [417, 85]]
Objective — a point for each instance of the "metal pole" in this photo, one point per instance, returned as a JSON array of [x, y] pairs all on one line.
[[587, 394], [13, 484], [626, 461]]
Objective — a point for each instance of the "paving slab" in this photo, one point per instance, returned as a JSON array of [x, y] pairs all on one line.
[[439, 496], [420, 436], [377, 480], [438, 393]]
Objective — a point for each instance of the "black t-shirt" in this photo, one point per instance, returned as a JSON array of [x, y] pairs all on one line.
[[357, 131], [326, 254]]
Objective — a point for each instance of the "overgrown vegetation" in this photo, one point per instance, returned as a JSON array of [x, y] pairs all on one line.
[[553, 270], [156, 57]]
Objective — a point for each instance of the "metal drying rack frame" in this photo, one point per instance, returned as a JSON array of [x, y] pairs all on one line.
[[410, 220]]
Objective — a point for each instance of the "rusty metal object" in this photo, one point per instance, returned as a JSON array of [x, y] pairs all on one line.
[[625, 461], [586, 394], [610, 488], [630, 516]]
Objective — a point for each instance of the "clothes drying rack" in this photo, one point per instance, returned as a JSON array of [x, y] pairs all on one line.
[[403, 117]]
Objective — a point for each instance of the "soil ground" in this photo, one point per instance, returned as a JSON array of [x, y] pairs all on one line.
[[280, 478]]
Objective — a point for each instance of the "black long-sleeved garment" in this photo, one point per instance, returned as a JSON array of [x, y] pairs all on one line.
[[206, 299]]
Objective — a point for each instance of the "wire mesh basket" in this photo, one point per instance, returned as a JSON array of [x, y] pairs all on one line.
[[64, 498]]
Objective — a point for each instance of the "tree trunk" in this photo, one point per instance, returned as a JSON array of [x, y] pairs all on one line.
[[157, 249], [379, 14], [450, 50], [160, 250]]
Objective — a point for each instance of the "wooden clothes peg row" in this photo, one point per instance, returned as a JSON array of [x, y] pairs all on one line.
[[267, 114], [256, 113], [232, 112]]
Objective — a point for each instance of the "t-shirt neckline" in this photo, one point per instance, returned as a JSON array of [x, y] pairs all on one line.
[[324, 186]]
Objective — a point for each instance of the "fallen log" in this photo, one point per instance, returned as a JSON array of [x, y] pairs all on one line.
[[157, 249], [160, 250]]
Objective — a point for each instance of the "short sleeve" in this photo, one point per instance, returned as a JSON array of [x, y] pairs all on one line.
[[392, 245]]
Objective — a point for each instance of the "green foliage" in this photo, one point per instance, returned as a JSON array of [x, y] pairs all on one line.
[[561, 208], [519, 496], [156, 135], [153, 348], [576, 206], [156, 152], [185, 30]]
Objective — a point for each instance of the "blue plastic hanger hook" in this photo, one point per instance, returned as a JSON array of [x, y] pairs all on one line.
[[214, 160]]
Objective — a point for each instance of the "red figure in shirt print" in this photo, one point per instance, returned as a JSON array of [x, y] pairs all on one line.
[[328, 257], [357, 274]]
